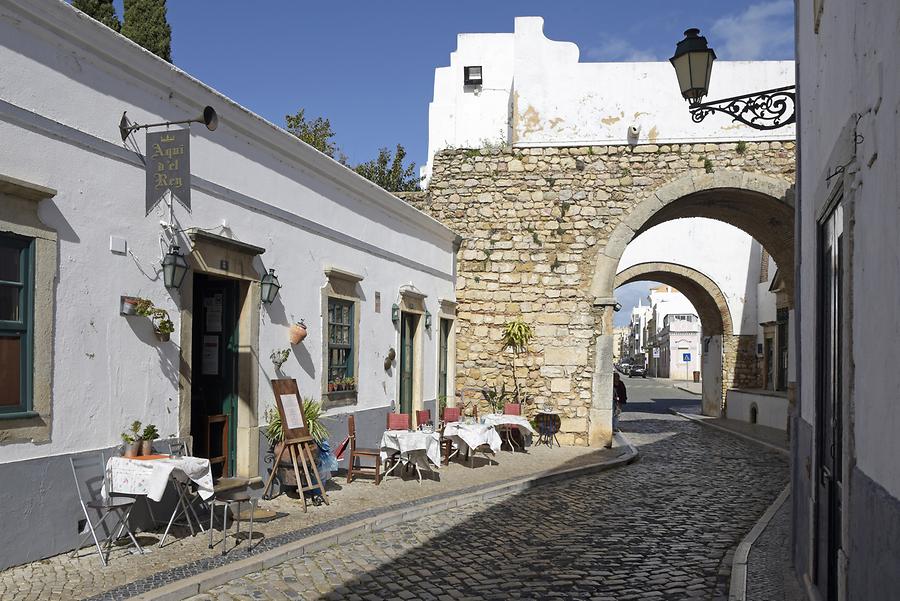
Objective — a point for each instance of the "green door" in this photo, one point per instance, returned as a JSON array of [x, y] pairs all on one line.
[[408, 323], [214, 399], [443, 358]]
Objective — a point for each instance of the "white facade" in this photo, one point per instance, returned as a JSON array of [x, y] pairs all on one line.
[[679, 338], [64, 82], [536, 93]]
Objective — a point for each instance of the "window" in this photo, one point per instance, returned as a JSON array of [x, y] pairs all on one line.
[[16, 325], [340, 341]]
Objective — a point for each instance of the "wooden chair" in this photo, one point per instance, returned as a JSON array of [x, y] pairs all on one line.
[[451, 414], [507, 431], [397, 421], [357, 453], [423, 416], [223, 458]]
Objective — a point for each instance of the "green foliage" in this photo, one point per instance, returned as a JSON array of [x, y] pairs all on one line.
[[279, 356], [144, 22], [100, 10], [133, 433], [160, 317], [495, 397], [516, 335], [708, 165], [741, 147], [317, 132], [471, 152], [150, 432], [389, 172]]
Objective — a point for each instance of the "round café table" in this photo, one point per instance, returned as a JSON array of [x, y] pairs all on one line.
[[548, 424]]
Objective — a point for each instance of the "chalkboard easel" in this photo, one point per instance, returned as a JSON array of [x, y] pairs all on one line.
[[297, 440]]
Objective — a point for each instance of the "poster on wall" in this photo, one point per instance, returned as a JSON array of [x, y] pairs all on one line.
[[210, 356], [213, 306]]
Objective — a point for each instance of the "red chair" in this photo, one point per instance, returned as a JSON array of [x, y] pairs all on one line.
[[356, 453], [451, 414], [423, 416], [507, 431], [397, 421]]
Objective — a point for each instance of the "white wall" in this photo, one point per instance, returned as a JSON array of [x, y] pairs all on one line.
[[772, 409], [308, 212], [558, 101], [850, 68], [726, 255]]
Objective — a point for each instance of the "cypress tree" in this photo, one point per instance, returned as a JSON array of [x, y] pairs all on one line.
[[100, 10], [145, 23]]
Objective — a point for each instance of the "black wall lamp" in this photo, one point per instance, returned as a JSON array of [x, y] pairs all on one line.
[[269, 287], [693, 61], [427, 320], [174, 267]]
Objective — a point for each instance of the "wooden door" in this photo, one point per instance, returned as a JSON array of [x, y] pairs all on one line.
[[408, 324]]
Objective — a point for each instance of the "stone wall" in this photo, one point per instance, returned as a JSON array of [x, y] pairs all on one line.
[[533, 221]]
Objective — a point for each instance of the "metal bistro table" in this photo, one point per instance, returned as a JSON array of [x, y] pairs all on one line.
[[548, 424]]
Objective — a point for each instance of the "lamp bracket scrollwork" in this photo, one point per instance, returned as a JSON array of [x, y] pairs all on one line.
[[769, 109]]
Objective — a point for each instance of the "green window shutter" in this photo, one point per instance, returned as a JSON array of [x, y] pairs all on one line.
[[16, 324]]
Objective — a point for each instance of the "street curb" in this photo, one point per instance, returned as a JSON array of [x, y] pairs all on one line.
[[677, 387], [705, 422], [737, 591], [194, 585]]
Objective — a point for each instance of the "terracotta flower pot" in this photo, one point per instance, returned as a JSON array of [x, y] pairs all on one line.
[[298, 332]]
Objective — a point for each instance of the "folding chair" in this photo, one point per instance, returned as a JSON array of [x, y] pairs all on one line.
[[508, 430], [356, 453], [91, 484], [187, 497]]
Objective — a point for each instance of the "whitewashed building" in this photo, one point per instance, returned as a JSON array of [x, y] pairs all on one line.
[[846, 479], [368, 273]]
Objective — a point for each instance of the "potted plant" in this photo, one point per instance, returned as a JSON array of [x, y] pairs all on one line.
[[516, 336], [162, 323], [132, 440], [129, 305], [149, 434], [279, 356], [298, 332], [351, 383], [331, 386], [274, 432]]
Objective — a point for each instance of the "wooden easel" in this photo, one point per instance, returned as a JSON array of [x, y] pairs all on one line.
[[296, 440]]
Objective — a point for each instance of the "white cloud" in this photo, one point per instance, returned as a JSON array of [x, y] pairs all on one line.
[[612, 49], [763, 31]]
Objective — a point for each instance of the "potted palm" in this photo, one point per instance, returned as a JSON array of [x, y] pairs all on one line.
[[516, 336]]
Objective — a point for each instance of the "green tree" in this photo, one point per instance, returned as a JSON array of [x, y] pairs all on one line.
[[100, 10], [317, 133], [145, 23], [389, 173]]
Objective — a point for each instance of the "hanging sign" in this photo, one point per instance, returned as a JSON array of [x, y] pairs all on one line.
[[168, 166]]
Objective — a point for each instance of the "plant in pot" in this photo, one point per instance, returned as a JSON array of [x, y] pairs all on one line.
[[298, 332], [162, 323], [516, 336], [129, 305], [495, 397], [351, 383], [132, 440], [149, 434], [279, 357]]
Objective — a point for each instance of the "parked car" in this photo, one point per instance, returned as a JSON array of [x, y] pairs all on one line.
[[624, 368], [637, 370]]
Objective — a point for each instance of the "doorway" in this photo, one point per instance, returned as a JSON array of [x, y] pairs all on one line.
[[214, 382], [830, 406], [409, 323]]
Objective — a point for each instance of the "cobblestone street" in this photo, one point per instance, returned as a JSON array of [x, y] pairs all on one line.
[[662, 528]]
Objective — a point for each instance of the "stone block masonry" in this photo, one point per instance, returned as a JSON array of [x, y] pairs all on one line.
[[534, 221]]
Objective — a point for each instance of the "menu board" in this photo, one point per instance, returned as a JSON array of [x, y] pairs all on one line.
[[290, 407]]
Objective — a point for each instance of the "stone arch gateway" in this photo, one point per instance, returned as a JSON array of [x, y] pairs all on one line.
[[720, 350]]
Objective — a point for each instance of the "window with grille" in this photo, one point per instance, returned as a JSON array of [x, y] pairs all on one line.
[[16, 324], [340, 340]]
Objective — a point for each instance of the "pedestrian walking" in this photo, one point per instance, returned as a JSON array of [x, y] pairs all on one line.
[[620, 397]]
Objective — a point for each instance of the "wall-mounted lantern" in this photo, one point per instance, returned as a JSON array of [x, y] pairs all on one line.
[[472, 76], [174, 267], [395, 312], [427, 320], [269, 286]]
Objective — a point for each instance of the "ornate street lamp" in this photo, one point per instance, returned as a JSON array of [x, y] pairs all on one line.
[[269, 286], [427, 320], [174, 267], [693, 60]]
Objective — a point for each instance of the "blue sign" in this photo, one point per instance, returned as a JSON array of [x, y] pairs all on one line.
[[686, 357]]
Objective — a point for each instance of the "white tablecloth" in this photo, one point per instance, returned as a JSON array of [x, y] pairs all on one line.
[[472, 436], [151, 476], [497, 419], [415, 445]]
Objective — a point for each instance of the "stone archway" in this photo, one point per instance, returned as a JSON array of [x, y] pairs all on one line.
[[723, 350], [761, 205]]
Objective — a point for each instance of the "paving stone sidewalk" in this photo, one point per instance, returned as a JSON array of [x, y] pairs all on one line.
[[64, 578], [770, 571], [662, 528]]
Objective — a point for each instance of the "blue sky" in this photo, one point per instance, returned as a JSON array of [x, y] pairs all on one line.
[[369, 66]]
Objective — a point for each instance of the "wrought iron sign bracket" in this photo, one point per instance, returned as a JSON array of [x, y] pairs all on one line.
[[769, 109]]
